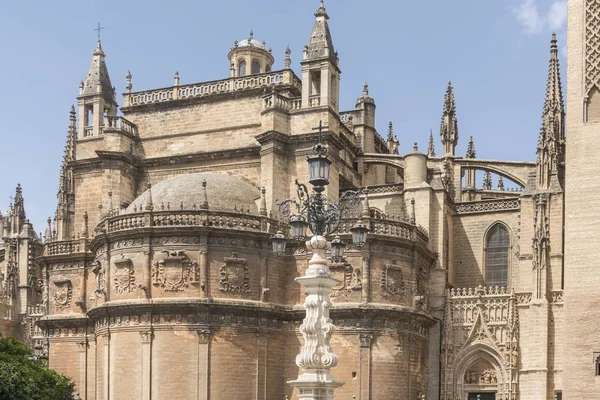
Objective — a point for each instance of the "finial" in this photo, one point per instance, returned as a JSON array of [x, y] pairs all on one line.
[[413, 216], [365, 89], [204, 204], [554, 46], [366, 212], [250, 37], [390, 131], [431, 147], [176, 79], [149, 205], [321, 11], [487, 180], [128, 85], [263, 202], [99, 29], [415, 147], [288, 59], [85, 225], [470, 148], [500, 183]]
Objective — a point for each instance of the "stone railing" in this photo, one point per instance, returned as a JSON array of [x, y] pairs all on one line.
[[88, 131], [387, 227], [382, 189], [62, 247], [181, 218], [315, 100], [284, 77], [121, 124], [36, 310], [474, 207]]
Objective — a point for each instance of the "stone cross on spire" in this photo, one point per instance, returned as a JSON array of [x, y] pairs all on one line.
[[99, 29]]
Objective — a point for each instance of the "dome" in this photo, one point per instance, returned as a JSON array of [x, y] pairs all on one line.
[[224, 193], [251, 42]]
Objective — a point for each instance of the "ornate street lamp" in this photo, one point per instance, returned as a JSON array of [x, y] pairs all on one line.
[[322, 216]]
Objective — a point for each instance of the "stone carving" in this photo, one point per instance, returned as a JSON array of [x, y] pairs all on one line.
[[484, 377], [350, 279], [174, 272], [203, 336], [234, 275], [592, 46], [523, 298], [146, 335], [124, 276], [63, 292], [488, 205], [99, 272], [365, 340], [392, 280]]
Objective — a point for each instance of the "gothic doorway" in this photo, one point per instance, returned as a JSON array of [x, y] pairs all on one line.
[[482, 396]]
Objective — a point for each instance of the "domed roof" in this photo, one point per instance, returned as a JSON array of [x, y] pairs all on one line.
[[251, 42], [224, 193]]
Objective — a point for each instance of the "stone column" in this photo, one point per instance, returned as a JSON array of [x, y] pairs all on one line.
[[365, 340], [204, 272], [82, 384], [262, 339], [106, 339], [203, 364], [366, 275], [146, 336], [316, 357]]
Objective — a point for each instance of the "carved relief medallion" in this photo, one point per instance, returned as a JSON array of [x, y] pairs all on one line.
[[174, 272], [350, 279], [392, 281], [124, 277], [234, 275], [63, 292]]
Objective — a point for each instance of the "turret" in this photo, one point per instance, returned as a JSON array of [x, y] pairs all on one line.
[[249, 57], [97, 97], [320, 71], [449, 126], [551, 142]]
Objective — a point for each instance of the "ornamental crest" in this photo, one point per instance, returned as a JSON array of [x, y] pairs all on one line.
[[124, 278], [392, 281], [174, 272], [350, 279], [234, 275], [63, 292]]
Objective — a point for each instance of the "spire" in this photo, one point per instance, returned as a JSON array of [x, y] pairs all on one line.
[[431, 146], [97, 80], [321, 44], [449, 126], [551, 142], [470, 148], [392, 141], [65, 194]]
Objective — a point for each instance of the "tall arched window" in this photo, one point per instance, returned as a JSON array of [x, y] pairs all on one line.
[[242, 68], [255, 67], [497, 250]]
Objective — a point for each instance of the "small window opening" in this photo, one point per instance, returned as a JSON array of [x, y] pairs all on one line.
[[255, 67], [242, 68]]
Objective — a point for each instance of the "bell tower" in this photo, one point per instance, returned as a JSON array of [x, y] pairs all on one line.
[[320, 71], [97, 97]]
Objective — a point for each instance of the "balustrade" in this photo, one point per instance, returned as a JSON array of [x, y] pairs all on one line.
[[215, 87], [62, 247], [120, 123]]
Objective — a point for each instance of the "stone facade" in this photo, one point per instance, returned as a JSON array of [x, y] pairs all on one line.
[[158, 263]]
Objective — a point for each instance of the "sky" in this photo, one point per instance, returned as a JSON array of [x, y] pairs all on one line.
[[494, 52]]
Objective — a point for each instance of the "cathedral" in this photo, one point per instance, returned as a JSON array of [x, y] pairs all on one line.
[[156, 277]]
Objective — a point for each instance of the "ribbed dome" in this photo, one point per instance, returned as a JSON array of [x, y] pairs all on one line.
[[224, 193]]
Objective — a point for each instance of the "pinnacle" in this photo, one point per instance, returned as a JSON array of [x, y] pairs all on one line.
[[471, 148], [431, 146]]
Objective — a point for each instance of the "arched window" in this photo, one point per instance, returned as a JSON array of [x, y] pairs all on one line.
[[242, 68], [255, 67], [497, 250]]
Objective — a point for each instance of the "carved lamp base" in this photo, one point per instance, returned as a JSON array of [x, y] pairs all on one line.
[[315, 385]]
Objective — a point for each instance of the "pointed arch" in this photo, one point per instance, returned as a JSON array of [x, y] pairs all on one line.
[[497, 246]]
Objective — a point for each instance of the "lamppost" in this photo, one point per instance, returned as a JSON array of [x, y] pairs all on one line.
[[322, 216]]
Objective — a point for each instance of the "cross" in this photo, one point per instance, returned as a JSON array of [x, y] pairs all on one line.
[[98, 29], [320, 129]]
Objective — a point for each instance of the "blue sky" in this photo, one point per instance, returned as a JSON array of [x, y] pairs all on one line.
[[494, 52]]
